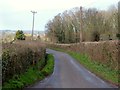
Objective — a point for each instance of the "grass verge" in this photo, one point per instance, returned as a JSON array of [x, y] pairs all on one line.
[[32, 75], [99, 69]]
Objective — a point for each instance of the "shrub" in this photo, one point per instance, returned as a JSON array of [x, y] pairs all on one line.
[[118, 36], [20, 35], [95, 36]]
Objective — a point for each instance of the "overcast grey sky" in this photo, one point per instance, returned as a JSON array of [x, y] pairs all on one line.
[[15, 14]]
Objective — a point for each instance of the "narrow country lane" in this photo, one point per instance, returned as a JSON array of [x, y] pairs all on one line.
[[68, 73]]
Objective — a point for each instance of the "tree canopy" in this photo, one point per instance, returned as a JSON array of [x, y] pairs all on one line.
[[96, 25]]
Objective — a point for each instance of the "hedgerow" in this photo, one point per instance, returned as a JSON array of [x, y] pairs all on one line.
[[18, 57]]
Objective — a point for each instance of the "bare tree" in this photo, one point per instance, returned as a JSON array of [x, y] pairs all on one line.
[[80, 24]]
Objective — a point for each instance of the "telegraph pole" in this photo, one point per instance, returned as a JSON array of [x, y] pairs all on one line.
[[33, 23], [118, 34], [119, 17], [81, 13]]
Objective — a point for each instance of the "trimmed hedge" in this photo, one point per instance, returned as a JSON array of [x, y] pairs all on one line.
[[105, 52], [18, 57], [32, 75]]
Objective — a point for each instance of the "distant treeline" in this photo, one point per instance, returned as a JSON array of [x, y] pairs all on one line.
[[25, 31], [9, 35]]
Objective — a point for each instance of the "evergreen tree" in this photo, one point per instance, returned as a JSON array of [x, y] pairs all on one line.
[[20, 35]]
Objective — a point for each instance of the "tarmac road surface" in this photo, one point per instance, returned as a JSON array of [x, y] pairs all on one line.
[[68, 73]]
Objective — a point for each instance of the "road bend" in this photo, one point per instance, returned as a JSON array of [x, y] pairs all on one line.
[[68, 73]]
